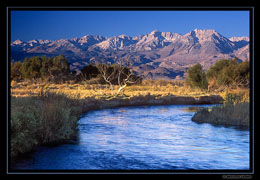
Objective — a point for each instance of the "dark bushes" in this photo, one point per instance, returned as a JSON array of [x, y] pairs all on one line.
[[229, 115], [197, 77], [46, 119], [36, 67], [224, 73], [234, 112], [230, 73]]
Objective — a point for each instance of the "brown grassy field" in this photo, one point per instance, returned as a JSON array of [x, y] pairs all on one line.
[[84, 90]]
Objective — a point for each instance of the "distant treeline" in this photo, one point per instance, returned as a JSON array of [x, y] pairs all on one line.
[[57, 69], [224, 73], [36, 68]]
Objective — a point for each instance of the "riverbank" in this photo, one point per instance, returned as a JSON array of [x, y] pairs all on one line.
[[144, 137], [43, 114], [229, 115], [51, 118]]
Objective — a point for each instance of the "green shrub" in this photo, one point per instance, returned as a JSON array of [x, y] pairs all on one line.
[[196, 77], [36, 67], [242, 74], [214, 71], [229, 73]]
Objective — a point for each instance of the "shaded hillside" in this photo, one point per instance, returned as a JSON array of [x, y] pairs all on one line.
[[157, 55]]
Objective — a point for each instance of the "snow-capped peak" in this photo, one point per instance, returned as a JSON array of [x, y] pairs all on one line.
[[17, 42], [155, 31], [204, 31], [234, 39], [123, 36]]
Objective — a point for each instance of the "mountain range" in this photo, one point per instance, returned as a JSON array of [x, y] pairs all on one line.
[[157, 55]]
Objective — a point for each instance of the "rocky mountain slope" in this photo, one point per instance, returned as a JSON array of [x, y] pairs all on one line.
[[163, 55]]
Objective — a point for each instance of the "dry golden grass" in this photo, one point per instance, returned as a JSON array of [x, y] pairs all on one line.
[[82, 91], [148, 87]]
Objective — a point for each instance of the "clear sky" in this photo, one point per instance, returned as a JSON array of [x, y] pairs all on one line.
[[53, 25]]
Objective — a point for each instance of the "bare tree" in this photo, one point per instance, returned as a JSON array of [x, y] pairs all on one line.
[[108, 73], [126, 74], [121, 72]]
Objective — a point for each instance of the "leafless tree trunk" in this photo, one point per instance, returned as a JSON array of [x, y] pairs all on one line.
[[122, 71], [107, 74], [125, 69]]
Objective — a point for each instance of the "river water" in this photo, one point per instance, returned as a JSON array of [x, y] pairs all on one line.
[[145, 138]]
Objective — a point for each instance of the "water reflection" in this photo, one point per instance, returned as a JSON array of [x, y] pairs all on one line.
[[193, 109], [159, 137]]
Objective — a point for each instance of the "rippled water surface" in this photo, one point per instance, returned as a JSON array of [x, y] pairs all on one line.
[[146, 137]]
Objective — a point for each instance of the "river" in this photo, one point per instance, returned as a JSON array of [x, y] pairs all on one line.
[[145, 138]]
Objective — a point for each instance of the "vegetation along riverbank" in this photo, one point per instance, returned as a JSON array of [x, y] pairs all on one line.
[[47, 102], [228, 115], [51, 115]]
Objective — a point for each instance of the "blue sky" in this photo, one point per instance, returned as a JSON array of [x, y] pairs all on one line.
[[53, 25]]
